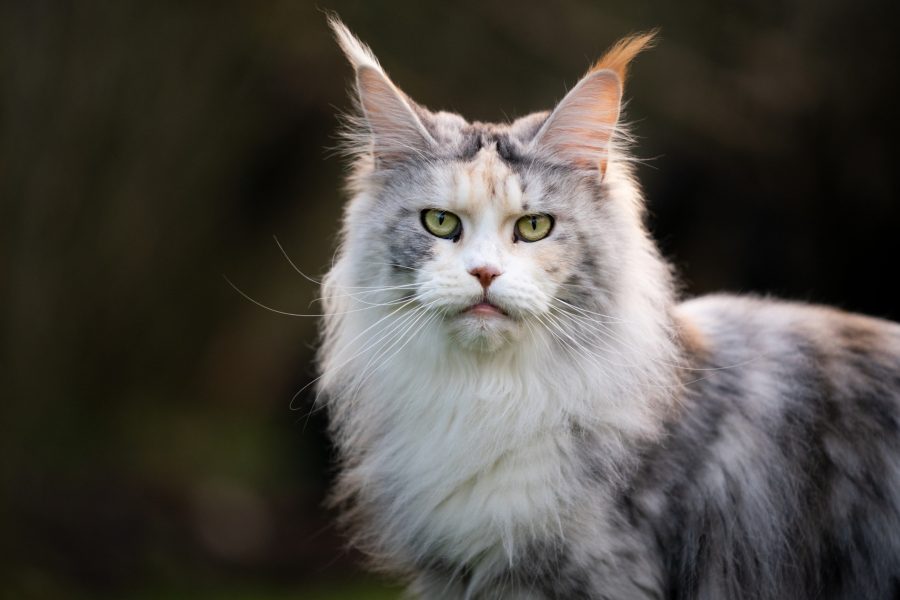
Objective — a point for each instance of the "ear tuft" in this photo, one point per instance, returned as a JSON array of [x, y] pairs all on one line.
[[618, 58], [390, 128], [359, 54], [580, 129]]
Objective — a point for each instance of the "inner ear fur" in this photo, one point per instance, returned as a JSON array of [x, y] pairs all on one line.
[[580, 129]]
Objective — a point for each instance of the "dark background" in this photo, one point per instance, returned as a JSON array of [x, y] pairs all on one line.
[[147, 447]]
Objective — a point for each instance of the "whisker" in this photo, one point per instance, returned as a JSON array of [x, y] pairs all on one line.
[[392, 336], [609, 353], [288, 313], [586, 350], [356, 298], [366, 375], [368, 287], [364, 349], [399, 266], [566, 345], [608, 332], [373, 290], [584, 310], [321, 282], [291, 262]]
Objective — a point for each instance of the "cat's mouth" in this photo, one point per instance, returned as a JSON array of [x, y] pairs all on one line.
[[485, 309]]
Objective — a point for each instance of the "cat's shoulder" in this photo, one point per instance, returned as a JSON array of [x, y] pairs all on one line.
[[771, 313], [755, 323]]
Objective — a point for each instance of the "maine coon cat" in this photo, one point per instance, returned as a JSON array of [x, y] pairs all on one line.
[[524, 409]]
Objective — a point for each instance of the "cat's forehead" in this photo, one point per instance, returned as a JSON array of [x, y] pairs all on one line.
[[483, 166], [462, 140], [485, 181]]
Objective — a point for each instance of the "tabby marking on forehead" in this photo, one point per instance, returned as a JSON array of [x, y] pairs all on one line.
[[486, 181]]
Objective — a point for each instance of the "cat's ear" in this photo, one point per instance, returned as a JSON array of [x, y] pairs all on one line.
[[580, 129], [396, 130]]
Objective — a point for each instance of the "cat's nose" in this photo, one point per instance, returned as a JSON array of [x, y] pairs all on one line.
[[485, 275]]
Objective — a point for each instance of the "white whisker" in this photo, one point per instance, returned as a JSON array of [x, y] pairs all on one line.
[[365, 348], [302, 315]]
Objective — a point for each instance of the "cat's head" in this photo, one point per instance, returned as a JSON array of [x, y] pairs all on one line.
[[498, 228]]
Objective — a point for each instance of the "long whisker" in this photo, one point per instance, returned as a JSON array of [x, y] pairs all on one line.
[[368, 289], [291, 262], [392, 337], [410, 293], [398, 266], [373, 290], [572, 350], [367, 346], [397, 332], [303, 315], [320, 282], [380, 356], [607, 332], [580, 345], [393, 331], [587, 344], [584, 310]]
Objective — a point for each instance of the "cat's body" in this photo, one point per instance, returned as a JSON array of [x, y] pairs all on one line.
[[536, 417]]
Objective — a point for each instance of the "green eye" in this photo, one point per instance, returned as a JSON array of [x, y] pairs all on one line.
[[532, 228], [441, 223]]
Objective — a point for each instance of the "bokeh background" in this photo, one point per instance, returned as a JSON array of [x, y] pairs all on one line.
[[147, 445]]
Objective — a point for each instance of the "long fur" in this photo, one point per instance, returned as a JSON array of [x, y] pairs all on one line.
[[600, 440]]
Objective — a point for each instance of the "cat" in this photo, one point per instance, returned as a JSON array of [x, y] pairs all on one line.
[[523, 408]]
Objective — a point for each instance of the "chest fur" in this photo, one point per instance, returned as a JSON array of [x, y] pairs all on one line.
[[464, 472], [453, 458]]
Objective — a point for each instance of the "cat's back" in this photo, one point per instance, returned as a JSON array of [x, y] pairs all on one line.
[[849, 349], [781, 473], [789, 363]]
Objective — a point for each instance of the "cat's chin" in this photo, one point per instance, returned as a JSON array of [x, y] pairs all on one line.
[[484, 330]]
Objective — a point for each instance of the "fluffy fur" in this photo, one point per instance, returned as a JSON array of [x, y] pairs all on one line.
[[596, 439]]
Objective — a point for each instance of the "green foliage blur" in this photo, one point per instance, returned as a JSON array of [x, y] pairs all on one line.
[[151, 444]]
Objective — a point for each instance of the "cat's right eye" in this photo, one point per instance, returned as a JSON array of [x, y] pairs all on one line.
[[532, 228], [441, 223]]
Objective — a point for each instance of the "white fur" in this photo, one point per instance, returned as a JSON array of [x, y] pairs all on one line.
[[356, 52]]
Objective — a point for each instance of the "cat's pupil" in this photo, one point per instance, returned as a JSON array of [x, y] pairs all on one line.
[[441, 218], [534, 223]]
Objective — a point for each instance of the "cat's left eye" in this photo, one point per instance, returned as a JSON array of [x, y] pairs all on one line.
[[441, 223], [532, 228]]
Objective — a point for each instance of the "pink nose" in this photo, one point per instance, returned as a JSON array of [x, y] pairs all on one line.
[[485, 275]]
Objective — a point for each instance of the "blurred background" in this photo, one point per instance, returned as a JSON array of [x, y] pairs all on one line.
[[147, 444]]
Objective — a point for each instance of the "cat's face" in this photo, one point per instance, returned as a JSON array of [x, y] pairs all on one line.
[[485, 242], [488, 236], [503, 266], [492, 227]]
